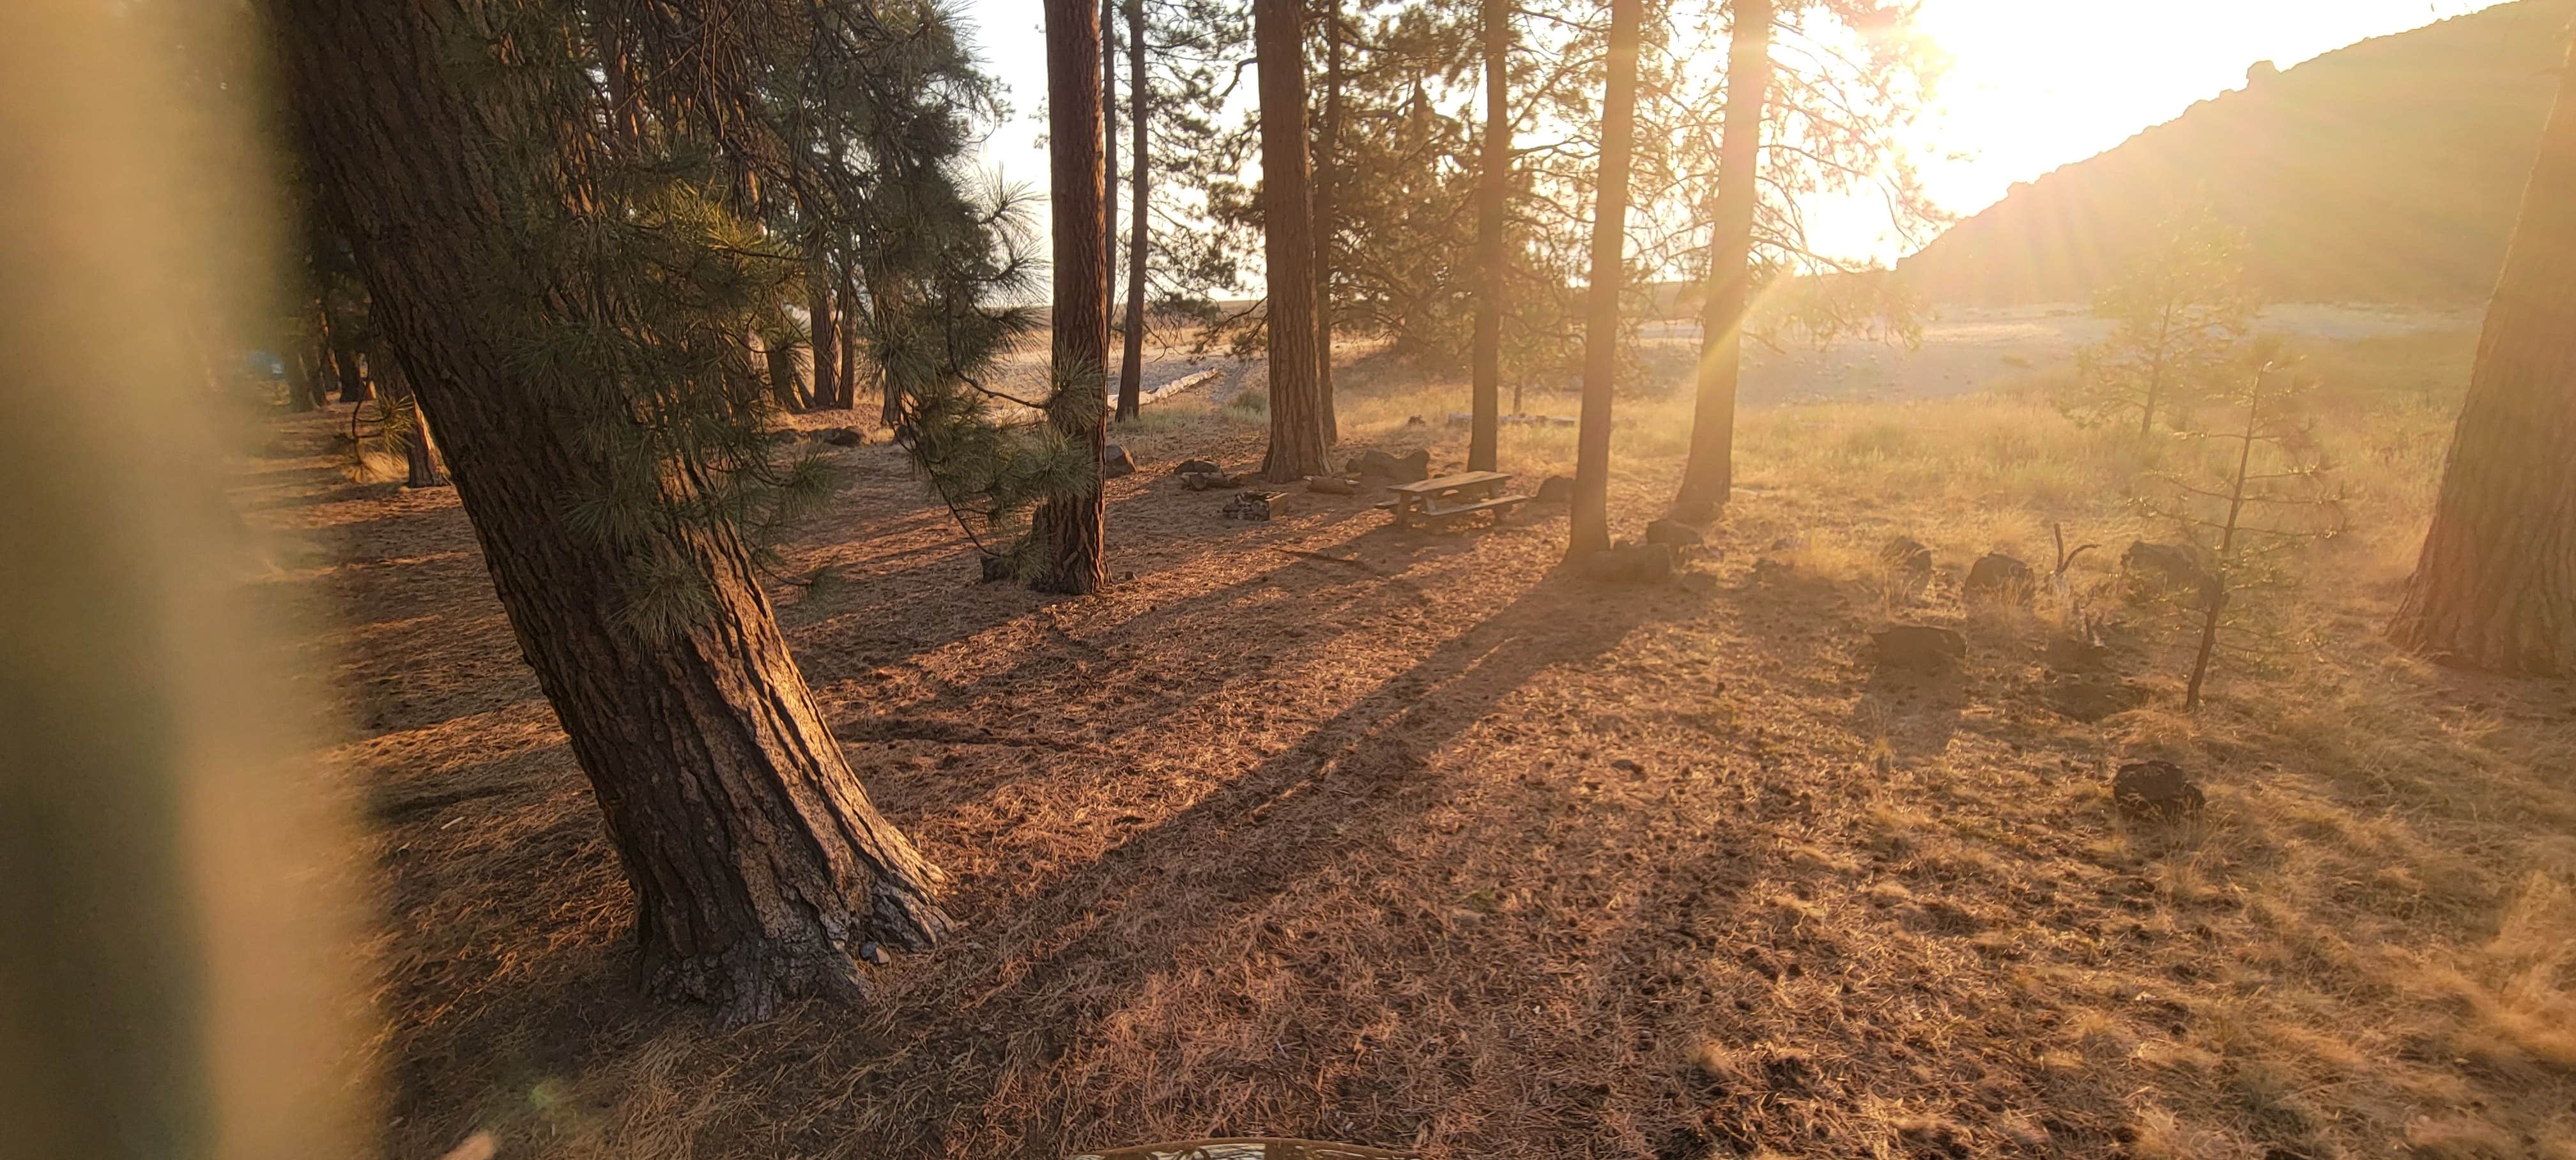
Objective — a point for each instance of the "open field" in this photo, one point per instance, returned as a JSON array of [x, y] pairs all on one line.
[[1322, 828]]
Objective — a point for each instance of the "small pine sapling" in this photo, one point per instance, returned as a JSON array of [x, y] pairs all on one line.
[[2177, 312], [2258, 489]]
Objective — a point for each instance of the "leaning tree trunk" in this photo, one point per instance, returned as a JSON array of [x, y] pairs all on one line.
[[1131, 365], [1069, 527], [1708, 476], [758, 864], [1297, 440], [1327, 172], [2495, 587], [301, 392], [1493, 199], [1589, 525], [421, 467]]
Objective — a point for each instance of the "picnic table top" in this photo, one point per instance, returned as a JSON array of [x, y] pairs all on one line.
[[1450, 482]]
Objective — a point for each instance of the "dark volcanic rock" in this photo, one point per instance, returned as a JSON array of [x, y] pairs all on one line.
[[1555, 489], [1996, 576], [1197, 467], [1115, 462], [1908, 564], [2154, 569], [1412, 467], [2155, 790]]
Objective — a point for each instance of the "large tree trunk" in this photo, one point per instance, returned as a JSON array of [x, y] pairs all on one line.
[[343, 348], [1297, 441], [1493, 200], [826, 328], [1327, 172], [1589, 528], [2495, 587], [1069, 528], [758, 864], [302, 392], [421, 467], [1708, 476], [1109, 151], [1131, 366]]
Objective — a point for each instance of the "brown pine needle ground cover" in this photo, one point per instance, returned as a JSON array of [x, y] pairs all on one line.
[[1323, 829]]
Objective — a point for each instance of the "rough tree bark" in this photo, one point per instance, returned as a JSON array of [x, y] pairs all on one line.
[[1297, 443], [1589, 525], [1131, 364], [421, 467], [2495, 587], [340, 340], [1109, 148], [1069, 528], [1708, 476], [303, 393], [1493, 200], [826, 391], [1327, 172], [758, 864]]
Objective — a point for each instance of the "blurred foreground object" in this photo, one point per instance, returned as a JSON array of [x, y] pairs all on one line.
[[1246, 1148], [170, 975]]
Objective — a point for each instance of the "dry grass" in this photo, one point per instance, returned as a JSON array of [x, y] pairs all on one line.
[[1257, 843]]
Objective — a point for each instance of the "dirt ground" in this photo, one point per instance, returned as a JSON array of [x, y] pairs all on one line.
[[1321, 828]]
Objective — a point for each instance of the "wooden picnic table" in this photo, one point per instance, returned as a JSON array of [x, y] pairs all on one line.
[[1435, 502]]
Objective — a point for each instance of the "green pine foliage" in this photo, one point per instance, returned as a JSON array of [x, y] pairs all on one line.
[[672, 181], [2177, 315]]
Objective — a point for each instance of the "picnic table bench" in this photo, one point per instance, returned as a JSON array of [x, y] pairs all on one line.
[[1438, 501]]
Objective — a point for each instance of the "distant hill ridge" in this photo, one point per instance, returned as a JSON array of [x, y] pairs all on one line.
[[2386, 171]]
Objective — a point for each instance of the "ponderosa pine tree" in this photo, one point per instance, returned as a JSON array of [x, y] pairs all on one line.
[[1328, 145], [1589, 526], [1709, 473], [1140, 87], [1297, 437], [1493, 209], [568, 303], [2495, 585], [2177, 313], [1068, 530]]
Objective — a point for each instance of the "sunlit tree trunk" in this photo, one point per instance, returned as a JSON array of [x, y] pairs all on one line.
[[2495, 587], [1589, 529], [1709, 474], [1297, 442], [1109, 147], [1327, 173], [1493, 200], [758, 864], [339, 339], [1069, 528], [1131, 367]]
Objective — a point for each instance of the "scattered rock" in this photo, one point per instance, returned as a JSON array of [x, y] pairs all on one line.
[[1631, 563], [1555, 489], [1115, 462], [1674, 532], [1331, 485], [1251, 505], [1412, 467], [1197, 467], [1204, 480], [1999, 577], [842, 436], [2158, 569], [1921, 647], [874, 954], [2155, 790], [2090, 697], [1625, 765], [1414, 421], [996, 568], [1908, 564]]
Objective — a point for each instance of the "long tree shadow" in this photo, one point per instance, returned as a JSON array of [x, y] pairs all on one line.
[[1357, 780]]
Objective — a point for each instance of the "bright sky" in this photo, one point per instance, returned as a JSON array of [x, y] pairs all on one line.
[[2034, 84]]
